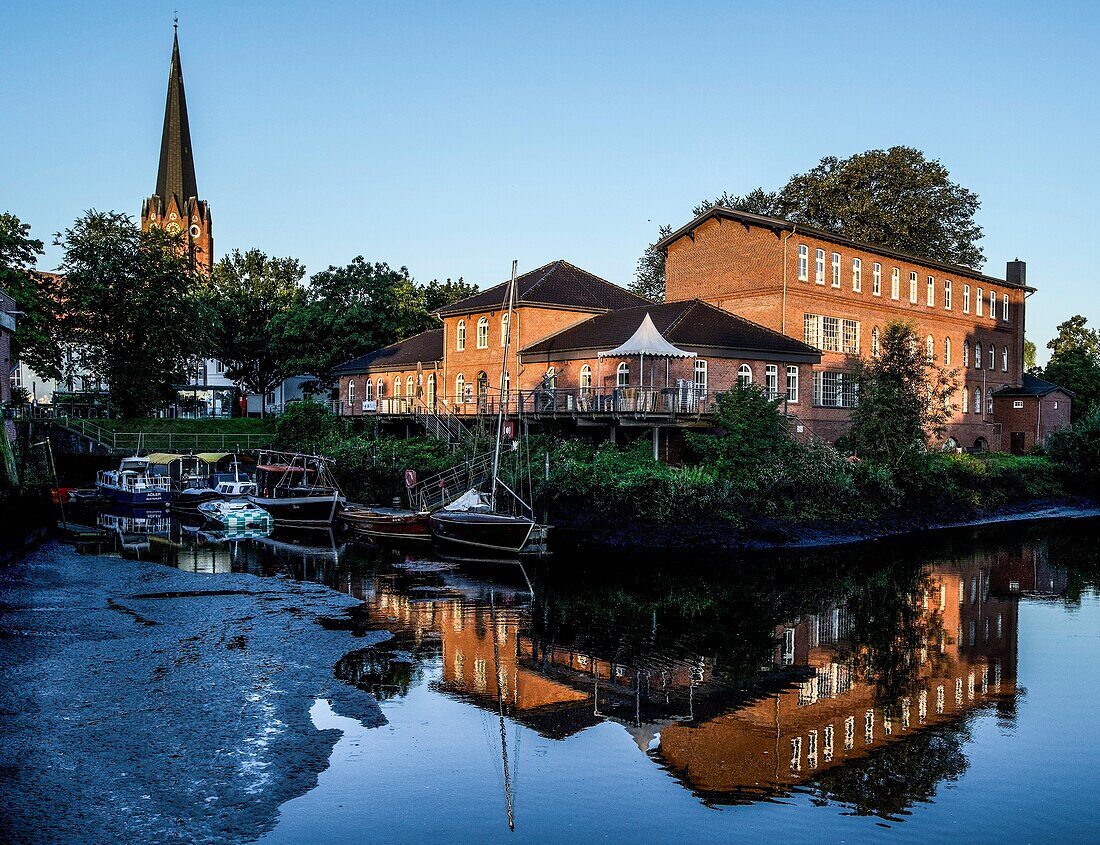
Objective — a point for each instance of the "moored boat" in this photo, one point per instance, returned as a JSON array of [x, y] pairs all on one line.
[[297, 490], [241, 489], [468, 532], [192, 493], [235, 515], [393, 523], [133, 484]]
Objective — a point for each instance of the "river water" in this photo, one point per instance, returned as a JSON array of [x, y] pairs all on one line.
[[933, 689]]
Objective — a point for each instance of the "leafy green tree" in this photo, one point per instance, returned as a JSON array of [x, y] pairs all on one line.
[[130, 306], [349, 310], [894, 198], [440, 294], [249, 295], [1030, 353], [904, 399], [1077, 448], [1075, 363], [36, 337], [753, 431]]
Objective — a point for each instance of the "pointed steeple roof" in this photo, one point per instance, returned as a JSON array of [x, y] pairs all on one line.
[[176, 174]]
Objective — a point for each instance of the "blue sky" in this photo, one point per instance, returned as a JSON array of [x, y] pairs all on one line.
[[452, 137]]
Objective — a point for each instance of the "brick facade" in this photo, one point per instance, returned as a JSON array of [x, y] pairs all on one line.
[[1026, 421], [756, 268]]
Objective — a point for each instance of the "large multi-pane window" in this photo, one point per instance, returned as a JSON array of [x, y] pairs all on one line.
[[947, 294], [895, 283], [819, 267], [913, 288], [803, 262], [876, 279], [831, 334], [850, 329], [836, 269], [771, 381], [833, 389], [857, 275], [966, 299], [930, 297], [792, 383]]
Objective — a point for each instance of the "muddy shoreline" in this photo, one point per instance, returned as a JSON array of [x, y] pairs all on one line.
[[140, 703]]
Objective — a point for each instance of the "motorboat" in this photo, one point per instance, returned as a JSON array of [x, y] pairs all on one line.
[[235, 515], [297, 490], [192, 493], [240, 489], [133, 484]]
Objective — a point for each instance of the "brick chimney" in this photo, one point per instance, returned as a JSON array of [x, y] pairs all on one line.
[[1016, 272]]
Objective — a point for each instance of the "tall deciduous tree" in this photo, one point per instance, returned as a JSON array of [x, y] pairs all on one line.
[[36, 296], [250, 294], [439, 294], [129, 305], [904, 399], [894, 198], [1075, 363]]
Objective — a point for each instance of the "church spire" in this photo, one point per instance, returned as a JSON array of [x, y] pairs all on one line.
[[176, 174]]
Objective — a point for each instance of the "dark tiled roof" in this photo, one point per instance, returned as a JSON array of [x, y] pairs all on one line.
[[780, 224], [425, 347], [556, 284], [690, 324], [1032, 386]]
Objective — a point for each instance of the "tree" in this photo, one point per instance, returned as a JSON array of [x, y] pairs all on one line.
[[893, 198], [1029, 355], [130, 307], [1075, 363], [36, 337], [349, 310], [250, 294], [439, 295], [904, 399], [754, 431]]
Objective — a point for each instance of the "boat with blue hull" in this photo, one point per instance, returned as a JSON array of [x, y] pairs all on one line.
[[133, 484]]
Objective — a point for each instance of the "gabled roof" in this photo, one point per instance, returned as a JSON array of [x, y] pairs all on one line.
[[690, 324], [1033, 386], [555, 285], [426, 347], [780, 224]]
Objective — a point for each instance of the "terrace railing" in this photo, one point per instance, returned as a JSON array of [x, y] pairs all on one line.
[[165, 441]]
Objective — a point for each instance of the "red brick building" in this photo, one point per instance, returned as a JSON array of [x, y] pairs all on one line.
[[1028, 414], [7, 329], [837, 295]]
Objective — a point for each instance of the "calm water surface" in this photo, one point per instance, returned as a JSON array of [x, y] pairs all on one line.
[[934, 690]]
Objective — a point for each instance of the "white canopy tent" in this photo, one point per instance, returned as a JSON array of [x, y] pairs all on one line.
[[646, 340]]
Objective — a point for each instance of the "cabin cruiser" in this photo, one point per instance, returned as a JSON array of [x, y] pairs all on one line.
[[133, 483], [297, 490], [230, 490]]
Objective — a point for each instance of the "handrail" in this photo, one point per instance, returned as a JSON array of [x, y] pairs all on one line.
[[169, 441]]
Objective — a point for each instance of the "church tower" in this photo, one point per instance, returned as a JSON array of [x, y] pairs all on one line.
[[176, 205]]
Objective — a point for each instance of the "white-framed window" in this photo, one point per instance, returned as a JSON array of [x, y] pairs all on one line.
[[947, 294], [381, 388], [811, 330], [792, 383], [977, 356], [966, 403], [396, 386], [912, 288], [700, 377], [409, 390], [503, 328], [993, 305], [874, 341], [834, 389], [483, 333], [586, 378], [989, 410], [460, 388], [1004, 309], [966, 353], [850, 336], [803, 262], [980, 302], [895, 283], [744, 375], [977, 400], [929, 348], [219, 367], [876, 279], [1017, 403], [771, 381], [351, 393], [836, 269], [430, 391], [460, 336], [1004, 359], [857, 275], [819, 267], [992, 356], [622, 375], [947, 352], [368, 390], [930, 297], [966, 299]]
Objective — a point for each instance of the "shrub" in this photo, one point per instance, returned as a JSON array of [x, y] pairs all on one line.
[[1077, 449]]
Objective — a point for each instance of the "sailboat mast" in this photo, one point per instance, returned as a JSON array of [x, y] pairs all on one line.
[[503, 376]]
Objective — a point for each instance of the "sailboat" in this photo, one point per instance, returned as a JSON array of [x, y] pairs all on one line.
[[475, 523]]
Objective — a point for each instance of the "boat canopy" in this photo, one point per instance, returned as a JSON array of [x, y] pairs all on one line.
[[647, 341], [163, 458], [213, 457], [281, 468]]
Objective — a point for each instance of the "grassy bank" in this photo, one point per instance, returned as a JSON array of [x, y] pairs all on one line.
[[153, 425]]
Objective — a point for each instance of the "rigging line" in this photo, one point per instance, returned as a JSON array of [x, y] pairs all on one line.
[[500, 699]]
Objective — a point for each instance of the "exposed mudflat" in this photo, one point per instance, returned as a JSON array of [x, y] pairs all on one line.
[[139, 703]]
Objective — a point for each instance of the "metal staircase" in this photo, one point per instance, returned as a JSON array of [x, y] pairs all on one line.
[[438, 490], [446, 425]]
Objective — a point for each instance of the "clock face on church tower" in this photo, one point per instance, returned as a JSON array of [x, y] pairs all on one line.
[[173, 228]]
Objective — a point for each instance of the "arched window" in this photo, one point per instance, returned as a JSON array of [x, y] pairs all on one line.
[[947, 352], [929, 348], [351, 393], [744, 376], [503, 328], [551, 379], [460, 388], [622, 375], [700, 377], [977, 356], [431, 389], [874, 341], [409, 387], [368, 391], [483, 333], [460, 336], [992, 356], [989, 401], [396, 387], [586, 378], [381, 388], [966, 353], [977, 400], [966, 401], [1004, 359], [482, 384]]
